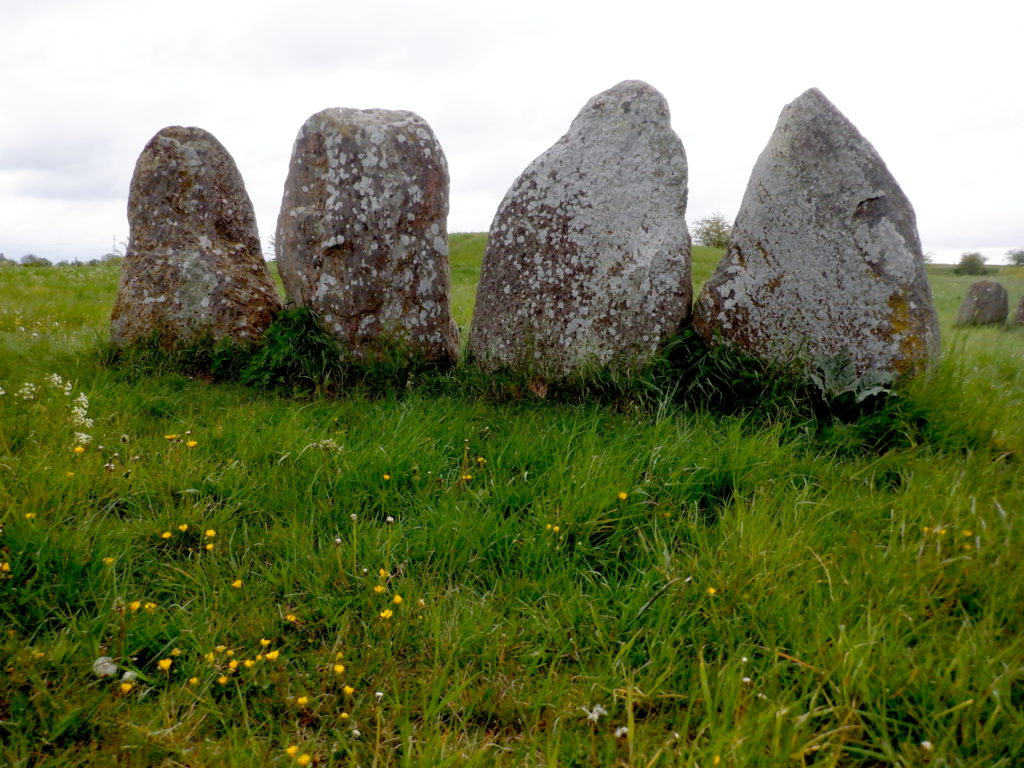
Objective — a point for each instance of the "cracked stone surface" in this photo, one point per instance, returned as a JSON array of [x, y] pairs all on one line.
[[825, 255], [588, 256], [194, 269], [986, 303], [362, 236]]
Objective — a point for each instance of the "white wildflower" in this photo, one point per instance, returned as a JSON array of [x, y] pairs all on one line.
[[927, 746], [379, 695], [593, 715], [27, 391], [621, 732], [355, 733], [129, 676], [82, 439], [389, 520], [104, 666]]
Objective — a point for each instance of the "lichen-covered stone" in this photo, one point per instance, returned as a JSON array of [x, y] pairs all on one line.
[[362, 236], [825, 258], [194, 270], [588, 257], [986, 303]]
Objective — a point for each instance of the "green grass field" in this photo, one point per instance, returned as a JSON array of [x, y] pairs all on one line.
[[453, 573]]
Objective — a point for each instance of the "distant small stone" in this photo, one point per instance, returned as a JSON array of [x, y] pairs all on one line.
[[986, 303], [824, 258], [194, 269], [362, 237], [588, 257]]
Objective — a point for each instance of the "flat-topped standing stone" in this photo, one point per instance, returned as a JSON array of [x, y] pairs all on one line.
[[986, 303], [588, 257], [362, 237], [194, 269], [825, 256]]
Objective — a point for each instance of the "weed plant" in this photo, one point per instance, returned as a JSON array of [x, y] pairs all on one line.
[[263, 559]]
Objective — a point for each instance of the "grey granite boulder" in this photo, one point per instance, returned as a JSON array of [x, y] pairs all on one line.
[[825, 258], [194, 269], [362, 236], [986, 303], [588, 257]]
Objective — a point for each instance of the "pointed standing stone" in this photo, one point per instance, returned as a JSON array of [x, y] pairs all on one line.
[[194, 270], [825, 256], [588, 257], [362, 238]]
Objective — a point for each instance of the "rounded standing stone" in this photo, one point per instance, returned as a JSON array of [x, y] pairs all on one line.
[[588, 257], [194, 269], [362, 237], [986, 303], [825, 257], [1018, 316]]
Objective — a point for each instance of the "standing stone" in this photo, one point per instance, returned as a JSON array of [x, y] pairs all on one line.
[[588, 257], [362, 238], [194, 269], [986, 303], [825, 258], [1018, 316]]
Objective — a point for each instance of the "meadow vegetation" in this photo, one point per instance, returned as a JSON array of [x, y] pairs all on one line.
[[209, 562]]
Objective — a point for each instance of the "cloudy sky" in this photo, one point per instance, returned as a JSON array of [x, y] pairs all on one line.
[[84, 86]]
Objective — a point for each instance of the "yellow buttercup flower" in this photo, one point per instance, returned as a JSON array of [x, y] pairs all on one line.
[[134, 605], [387, 614], [292, 751], [248, 663], [223, 679], [712, 591], [348, 690], [387, 476], [79, 449], [193, 681], [302, 701], [291, 618], [209, 547], [192, 443], [380, 588], [210, 533], [272, 655], [303, 760], [170, 437], [165, 535], [30, 515], [183, 527], [397, 600], [264, 642], [5, 567], [164, 664], [339, 669], [108, 561], [233, 664], [237, 583], [126, 687], [623, 495]]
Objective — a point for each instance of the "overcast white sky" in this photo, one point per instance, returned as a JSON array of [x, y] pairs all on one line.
[[935, 86]]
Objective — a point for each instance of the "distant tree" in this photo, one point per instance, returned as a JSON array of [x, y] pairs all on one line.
[[5, 262], [112, 258], [712, 231], [1016, 257], [31, 260], [972, 263]]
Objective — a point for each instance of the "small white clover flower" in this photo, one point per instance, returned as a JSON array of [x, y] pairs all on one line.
[[104, 666], [389, 520]]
